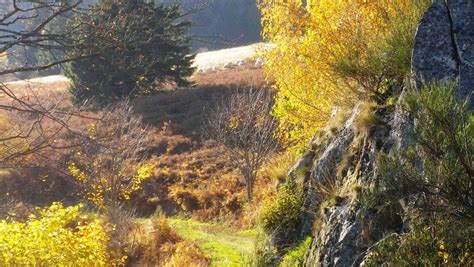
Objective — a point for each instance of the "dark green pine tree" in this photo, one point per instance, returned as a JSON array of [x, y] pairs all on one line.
[[130, 48]]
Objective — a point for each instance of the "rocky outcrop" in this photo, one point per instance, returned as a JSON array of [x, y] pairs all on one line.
[[345, 229], [444, 45], [340, 228]]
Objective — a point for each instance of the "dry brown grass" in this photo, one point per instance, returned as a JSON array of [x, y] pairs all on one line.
[[41, 86], [193, 175], [246, 76], [164, 247]]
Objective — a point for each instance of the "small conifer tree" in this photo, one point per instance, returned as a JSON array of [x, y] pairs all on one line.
[[137, 48]]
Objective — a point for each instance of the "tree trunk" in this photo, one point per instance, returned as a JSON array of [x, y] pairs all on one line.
[[249, 180], [249, 190]]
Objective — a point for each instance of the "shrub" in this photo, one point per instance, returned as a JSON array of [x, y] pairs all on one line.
[[295, 256], [111, 164], [243, 125], [331, 53], [378, 63], [367, 118], [435, 175], [187, 254], [12, 142], [277, 167], [444, 242], [186, 200], [162, 235], [282, 212], [443, 148], [38, 186], [125, 235], [57, 236], [146, 47], [262, 254]]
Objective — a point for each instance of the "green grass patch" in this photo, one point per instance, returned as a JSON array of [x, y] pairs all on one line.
[[222, 244]]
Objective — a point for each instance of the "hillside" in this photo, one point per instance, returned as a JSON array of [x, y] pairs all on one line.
[[192, 177], [346, 138], [243, 57], [176, 118], [363, 174]]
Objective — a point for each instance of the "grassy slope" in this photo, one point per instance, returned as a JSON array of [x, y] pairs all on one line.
[[220, 244]]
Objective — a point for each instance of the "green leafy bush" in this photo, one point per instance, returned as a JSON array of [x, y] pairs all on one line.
[[437, 171], [283, 211], [295, 256]]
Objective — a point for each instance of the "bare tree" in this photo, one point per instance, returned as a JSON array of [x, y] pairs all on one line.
[[108, 166], [244, 126], [30, 121], [27, 25]]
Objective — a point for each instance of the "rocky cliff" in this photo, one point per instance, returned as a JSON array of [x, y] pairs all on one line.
[[344, 160]]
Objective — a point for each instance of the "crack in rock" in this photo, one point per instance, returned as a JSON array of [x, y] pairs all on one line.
[[444, 46]]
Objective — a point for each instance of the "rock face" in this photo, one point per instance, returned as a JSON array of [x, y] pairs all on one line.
[[339, 229], [444, 45], [345, 229]]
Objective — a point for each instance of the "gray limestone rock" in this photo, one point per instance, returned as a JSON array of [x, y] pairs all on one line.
[[462, 19], [342, 231], [433, 52], [444, 46]]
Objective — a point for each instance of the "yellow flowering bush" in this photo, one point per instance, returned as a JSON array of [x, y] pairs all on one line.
[[112, 164], [58, 236]]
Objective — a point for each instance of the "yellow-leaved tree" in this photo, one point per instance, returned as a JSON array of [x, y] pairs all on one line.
[[334, 52]]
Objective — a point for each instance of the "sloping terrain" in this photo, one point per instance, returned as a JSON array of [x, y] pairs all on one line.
[[193, 174], [193, 178], [238, 57], [227, 58]]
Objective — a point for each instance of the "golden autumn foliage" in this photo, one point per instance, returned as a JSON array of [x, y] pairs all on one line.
[[331, 53], [109, 186], [58, 236], [112, 164]]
